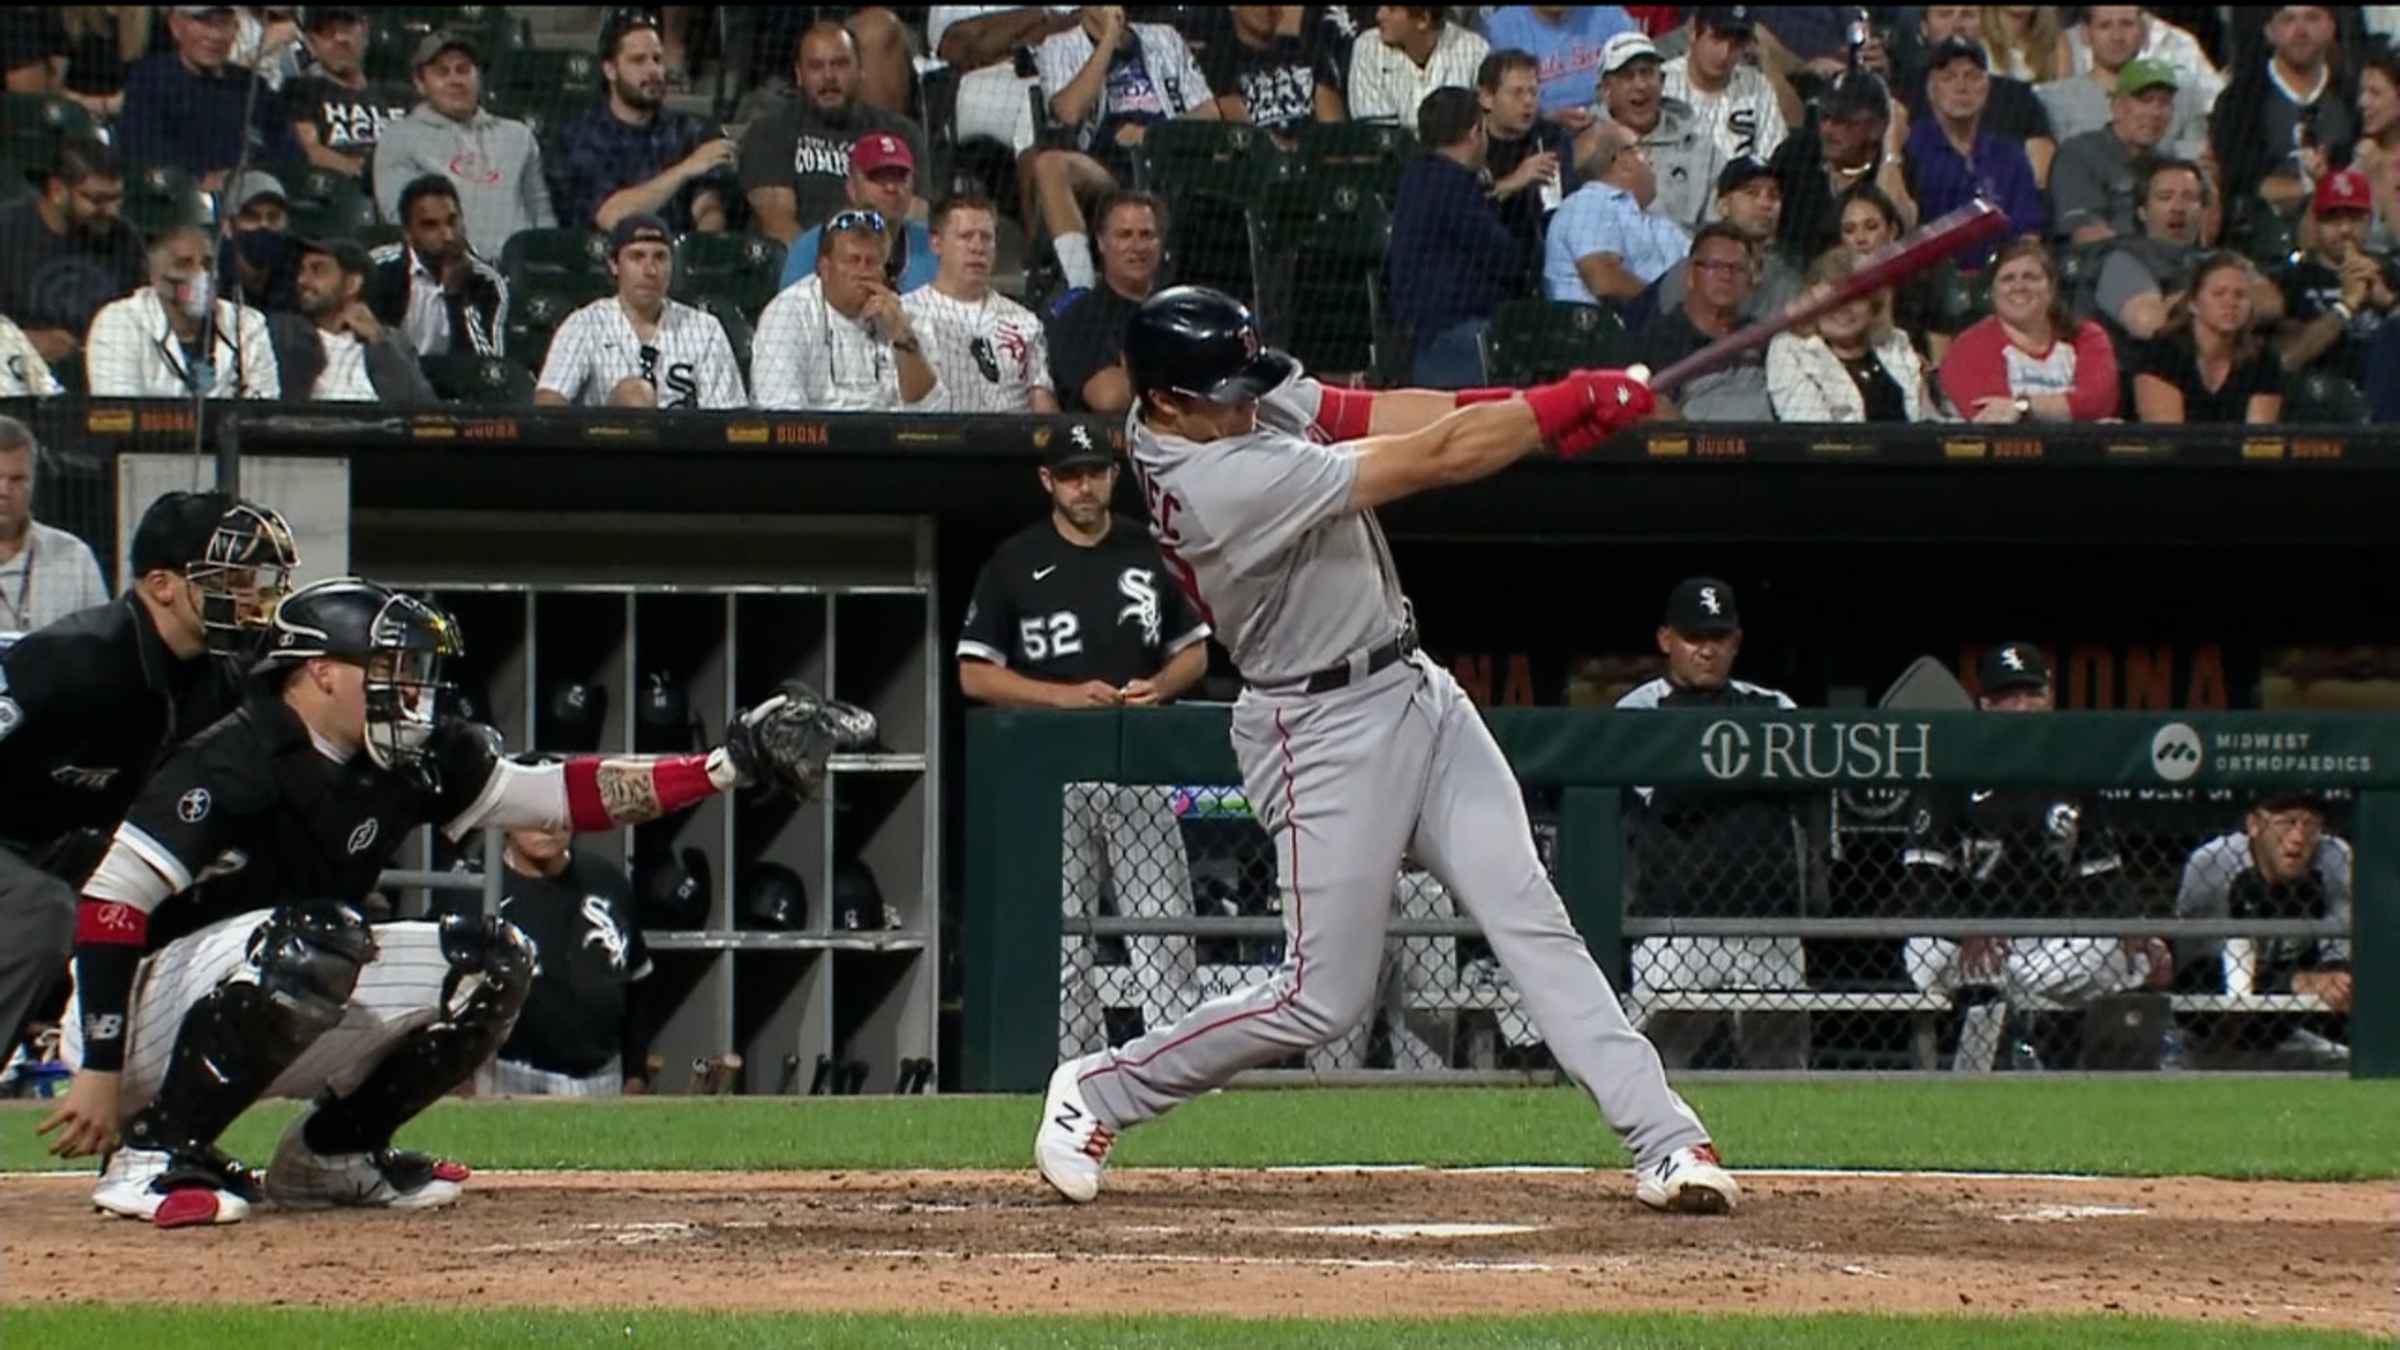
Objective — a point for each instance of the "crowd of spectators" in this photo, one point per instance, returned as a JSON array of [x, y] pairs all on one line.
[[2200, 221]]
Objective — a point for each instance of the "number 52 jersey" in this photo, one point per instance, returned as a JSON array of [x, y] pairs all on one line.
[[1052, 610]]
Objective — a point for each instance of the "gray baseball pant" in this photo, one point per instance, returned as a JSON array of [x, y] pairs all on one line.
[[37, 937]]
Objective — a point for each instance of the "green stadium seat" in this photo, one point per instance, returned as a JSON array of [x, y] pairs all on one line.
[[744, 269], [483, 381], [162, 197], [1362, 154], [1211, 171], [738, 331], [1317, 247], [36, 123], [541, 86], [2270, 240], [567, 262], [328, 205], [2320, 396], [1534, 341], [533, 317]]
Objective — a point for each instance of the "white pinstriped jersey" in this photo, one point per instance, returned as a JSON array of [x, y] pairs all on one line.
[[987, 355], [690, 363]]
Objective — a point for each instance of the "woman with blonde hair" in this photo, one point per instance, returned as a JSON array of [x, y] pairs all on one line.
[[2208, 366], [2031, 359], [2026, 42], [1851, 364]]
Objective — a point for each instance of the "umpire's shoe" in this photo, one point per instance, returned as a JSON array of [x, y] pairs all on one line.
[[302, 1178], [1689, 1180], [175, 1189], [1071, 1146]]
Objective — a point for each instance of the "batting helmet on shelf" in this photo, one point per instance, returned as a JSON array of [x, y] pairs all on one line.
[[774, 897], [1201, 342], [674, 891], [664, 709], [573, 716], [857, 900]]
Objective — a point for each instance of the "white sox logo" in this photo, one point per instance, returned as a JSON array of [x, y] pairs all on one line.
[[363, 835], [2012, 658], [1709, 600], [604, 934], [1140, 589], [1082, 436], [192, 807]]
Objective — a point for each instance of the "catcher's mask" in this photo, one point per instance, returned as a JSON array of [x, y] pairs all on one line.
[[242, 574], [400, 641]]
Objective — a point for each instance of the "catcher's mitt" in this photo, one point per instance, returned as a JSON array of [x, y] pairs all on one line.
[[785, 741]]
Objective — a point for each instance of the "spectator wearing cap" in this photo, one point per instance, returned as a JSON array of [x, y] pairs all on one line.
[[1566, 42], [840, 341], [2283, 863], [795, 162], [1274, 67], [2030, 358], [1710, 307], [174, 337], [1951, 158], [1749, 205], [2208, 365], [988, 353], [1850, 364], [1111, 81], [637, 348], [45, 572], [1685, 155], [2014, 111], [1978, 853], [1087, 329], [431, 285], [1715, 853], [1605, 244], [882, 181], [1529, 160], [630, 155], [2094, 186], [1413, 50], [2285, 122], [2084, 102], [337, 113], [1742, 107], [1858, 137], [494, 162], [69, 249], [258, 264], [1452, 260], [334, 349], [194, 109], [2337, 298]]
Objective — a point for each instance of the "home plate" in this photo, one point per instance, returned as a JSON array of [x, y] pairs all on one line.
[[2070, 1213], [1417, 1230]]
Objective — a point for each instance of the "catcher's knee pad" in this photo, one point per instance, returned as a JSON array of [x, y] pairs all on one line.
[[498, 951], [240, 1036], [431, 1060]]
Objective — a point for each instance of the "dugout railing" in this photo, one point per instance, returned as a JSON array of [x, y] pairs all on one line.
[[1114, 879]]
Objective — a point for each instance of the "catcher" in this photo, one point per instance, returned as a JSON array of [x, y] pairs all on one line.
[[219, 952]]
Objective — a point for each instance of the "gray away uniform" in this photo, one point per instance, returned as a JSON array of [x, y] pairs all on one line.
[[1344, 780]]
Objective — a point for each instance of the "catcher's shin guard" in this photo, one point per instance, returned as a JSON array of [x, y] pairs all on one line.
[[242, 1035], [435, 1058]]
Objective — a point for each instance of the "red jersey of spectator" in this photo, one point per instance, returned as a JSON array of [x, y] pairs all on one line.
[[1983, 363]]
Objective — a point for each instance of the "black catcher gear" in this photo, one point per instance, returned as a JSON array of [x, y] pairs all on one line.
[[401, 641]]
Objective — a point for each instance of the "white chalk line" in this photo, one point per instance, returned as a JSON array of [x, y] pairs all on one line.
[[1371, 1169]]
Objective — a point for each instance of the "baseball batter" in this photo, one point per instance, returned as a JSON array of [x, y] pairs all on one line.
[[1354, 747]]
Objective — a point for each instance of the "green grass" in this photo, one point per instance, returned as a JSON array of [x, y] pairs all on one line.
[[2313, 1129], [111, 1327]]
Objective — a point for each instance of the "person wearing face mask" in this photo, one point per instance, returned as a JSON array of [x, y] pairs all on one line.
[[988, 353], [1696, 852], [259, 264], [2283, 863], [334, 349], [2209, 366], [1849, 365], [173, 338], [840, 340], [2338, 297], [494, 162], [882, 179], [637, 348]]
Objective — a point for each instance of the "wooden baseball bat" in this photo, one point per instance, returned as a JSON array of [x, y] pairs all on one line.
[[1978, 222]]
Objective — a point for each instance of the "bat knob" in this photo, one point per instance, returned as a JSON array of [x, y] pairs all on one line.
[[1638, 373]]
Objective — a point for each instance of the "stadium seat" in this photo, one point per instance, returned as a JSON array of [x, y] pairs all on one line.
[[1359, 153], [1316, 248], [36, 123], [390, 46], [1211, 171], [1533, 341], [737, 328], [744, 269], [483, 381], [533, 316], [329, 205], [572, 263], [376, 235], [16, 183], [2320, 396], [541, 87], [162, 197], [2270, 240]]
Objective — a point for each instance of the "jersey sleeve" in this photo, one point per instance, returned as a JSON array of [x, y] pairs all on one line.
[[467, 756], [991, 619], [193, 808], [1181, 621], [1293, 405], [568, 366]]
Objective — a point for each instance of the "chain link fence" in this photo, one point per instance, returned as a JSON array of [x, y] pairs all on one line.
[[1851, 929]]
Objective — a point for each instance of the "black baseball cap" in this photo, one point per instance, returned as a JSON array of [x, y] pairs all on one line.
[[2291, 799], [2012, 665], [1077, 448], [433, 44], [1739, 172], [638, 229], [1725, 18], [175, 530], [1702, 607], [1858, 93], [349, 254], [1957, 48]]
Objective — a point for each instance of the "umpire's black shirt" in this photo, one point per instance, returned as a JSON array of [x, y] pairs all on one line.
[[89, 705]]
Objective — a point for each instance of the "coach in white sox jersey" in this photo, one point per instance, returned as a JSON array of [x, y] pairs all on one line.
[[988, 353], [219, 952], [637, 348], [1354, 746], [1078, 611]]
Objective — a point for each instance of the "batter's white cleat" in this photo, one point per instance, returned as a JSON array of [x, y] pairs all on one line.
[[1690, 1180], [1071, 1146], [153, 1184], [301, 1178]]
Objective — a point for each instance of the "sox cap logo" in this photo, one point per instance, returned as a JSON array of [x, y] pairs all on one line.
[[2012, 658], [192, 807], [1708, 598]]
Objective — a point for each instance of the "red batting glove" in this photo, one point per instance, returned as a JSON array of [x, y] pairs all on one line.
[[1618, 401]]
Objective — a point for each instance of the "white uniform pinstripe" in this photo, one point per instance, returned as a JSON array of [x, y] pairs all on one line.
[[1013, 360], [398, 992], [505, 1078]]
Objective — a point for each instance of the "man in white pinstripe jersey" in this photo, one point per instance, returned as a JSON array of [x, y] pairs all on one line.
[[988, 353]]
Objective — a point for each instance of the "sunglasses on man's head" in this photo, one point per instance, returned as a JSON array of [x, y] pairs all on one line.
[[855, 220]]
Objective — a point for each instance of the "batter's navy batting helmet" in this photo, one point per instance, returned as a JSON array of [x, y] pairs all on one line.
[[1201, 342]]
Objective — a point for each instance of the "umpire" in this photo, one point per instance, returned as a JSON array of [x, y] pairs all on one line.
[[91, 703]]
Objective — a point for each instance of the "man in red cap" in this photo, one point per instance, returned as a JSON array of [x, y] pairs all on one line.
[[883, 179], [2338, 296]]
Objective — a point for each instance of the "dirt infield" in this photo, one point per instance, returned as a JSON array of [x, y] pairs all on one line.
[[1249, 1243]]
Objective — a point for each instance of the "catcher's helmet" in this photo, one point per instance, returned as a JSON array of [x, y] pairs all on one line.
[[400, 640], [1201, 342], [775, 897]]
